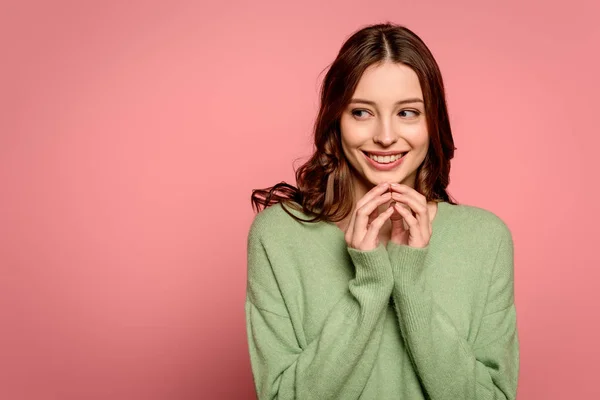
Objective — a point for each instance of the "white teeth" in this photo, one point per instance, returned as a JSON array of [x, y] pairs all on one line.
[[386, 159]]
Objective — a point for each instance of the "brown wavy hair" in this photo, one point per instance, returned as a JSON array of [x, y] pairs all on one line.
[[325, 187]]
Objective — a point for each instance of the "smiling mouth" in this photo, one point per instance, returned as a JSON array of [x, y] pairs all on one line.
[[385, 159]]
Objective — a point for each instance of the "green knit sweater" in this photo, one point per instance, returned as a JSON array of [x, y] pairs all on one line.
[[327, 321]]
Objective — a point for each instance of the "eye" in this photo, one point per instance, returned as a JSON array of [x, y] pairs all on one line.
[[415, 112], [357, 110]]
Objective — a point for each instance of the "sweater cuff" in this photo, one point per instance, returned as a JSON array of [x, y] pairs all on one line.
[[407, 261], [408, 266], [375, 262], [373, 273]]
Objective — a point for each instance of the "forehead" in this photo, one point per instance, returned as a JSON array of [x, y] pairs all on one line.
[[388, 82]]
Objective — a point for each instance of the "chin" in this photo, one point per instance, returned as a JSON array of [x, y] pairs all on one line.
[[383, 178]]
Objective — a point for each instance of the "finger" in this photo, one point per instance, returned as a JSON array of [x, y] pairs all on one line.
[[411, 221], [404, 193], [401, 188], [418, 206], [375, 191], [370, 240], [362, 216], [373, 215], [408, 191], [397, 220], [395, 216]]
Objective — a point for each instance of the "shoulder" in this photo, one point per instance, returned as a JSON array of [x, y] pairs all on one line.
[[480, 237], [478, 221], [274, 221]]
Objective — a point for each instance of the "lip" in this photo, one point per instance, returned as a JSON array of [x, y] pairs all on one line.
[[384, 153], [385, 167]]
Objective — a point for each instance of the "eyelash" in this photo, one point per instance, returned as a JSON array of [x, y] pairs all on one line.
[[417, 112]]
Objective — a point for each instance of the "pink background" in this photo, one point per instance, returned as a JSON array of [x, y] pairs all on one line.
[[132, 134]]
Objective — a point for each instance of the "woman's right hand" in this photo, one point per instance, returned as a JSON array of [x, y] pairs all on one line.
[[362, 232]]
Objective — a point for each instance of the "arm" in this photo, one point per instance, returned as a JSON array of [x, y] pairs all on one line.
[[338, 362], [449, 367]]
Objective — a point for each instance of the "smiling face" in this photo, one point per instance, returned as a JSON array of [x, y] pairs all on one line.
[[386, 114]]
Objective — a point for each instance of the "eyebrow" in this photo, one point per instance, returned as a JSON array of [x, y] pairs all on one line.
[[405, 101]]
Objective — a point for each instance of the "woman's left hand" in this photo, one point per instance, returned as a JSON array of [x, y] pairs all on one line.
[[417, 231]]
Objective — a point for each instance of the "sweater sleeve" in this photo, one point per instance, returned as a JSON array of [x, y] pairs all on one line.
[[335, 364], [448, 366]]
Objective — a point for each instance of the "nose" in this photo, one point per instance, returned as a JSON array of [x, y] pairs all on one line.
[[385, 135]]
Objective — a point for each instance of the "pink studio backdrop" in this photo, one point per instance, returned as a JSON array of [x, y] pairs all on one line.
[[132, 134]]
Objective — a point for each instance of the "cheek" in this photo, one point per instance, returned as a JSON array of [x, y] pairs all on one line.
[[349, 151], [417, 135], [355, 136], [351, 135]]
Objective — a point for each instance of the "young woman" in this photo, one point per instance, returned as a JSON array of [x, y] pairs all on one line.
[[367, 281]]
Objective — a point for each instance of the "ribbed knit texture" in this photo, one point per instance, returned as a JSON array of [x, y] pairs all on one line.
[[326, 321]]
